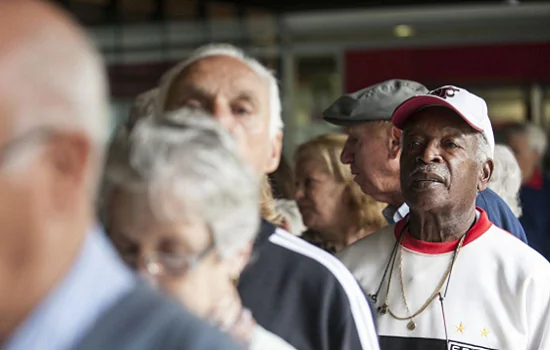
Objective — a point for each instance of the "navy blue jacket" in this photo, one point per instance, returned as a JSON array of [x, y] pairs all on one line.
[[535, 201], [304, 295], [499, 213], [144, 320]]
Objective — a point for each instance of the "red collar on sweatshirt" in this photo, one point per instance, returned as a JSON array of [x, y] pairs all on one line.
[[536, 181], [411, 243]]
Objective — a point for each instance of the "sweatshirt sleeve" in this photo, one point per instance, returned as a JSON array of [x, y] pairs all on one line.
[[537, 311]]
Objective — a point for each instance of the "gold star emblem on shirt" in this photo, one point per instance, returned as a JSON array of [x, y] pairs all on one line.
[[460, 328], [485, 332]]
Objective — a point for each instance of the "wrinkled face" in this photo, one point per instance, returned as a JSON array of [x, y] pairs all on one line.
[[138, 235], [235, 96], [367, 153], [439, 165], [322, 199], [527, 157]]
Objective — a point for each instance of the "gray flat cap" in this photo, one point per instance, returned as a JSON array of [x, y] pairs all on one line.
[[376, 102]]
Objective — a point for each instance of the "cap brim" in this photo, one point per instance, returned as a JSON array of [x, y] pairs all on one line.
[[344, 122], [414, 104], [355, 120]]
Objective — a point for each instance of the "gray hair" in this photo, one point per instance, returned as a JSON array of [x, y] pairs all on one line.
[[506, 179], [188, 165], [275, 117], [483, 149], [290, 212], [536, 138], [143, 106]]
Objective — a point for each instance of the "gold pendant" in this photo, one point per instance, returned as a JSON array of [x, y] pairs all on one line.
[[411, 325], [383, 309]]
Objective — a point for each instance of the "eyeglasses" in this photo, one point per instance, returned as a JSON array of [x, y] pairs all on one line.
[[165, 264]]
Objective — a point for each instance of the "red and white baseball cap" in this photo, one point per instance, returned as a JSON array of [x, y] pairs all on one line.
[[468, 106]]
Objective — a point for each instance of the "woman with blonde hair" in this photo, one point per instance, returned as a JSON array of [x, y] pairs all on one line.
[[333, 207]]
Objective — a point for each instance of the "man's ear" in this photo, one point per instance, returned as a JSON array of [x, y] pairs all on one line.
[[485, 175], [276, 144], [394, 143]]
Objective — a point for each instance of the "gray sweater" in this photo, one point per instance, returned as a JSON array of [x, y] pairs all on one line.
[[144, 320]]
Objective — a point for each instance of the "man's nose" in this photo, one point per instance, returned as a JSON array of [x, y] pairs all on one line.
[[430, 154], [346, 157], [221, 111]]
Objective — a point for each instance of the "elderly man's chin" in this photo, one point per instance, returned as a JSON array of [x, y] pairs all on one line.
[[426, 194]]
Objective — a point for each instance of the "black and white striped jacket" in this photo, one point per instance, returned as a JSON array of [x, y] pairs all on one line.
[[305, 295]]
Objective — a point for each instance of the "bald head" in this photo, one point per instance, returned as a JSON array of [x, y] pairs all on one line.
[[49, 72]]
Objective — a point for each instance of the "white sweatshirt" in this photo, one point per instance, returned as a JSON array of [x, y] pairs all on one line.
[[264, 340], [498, 295]]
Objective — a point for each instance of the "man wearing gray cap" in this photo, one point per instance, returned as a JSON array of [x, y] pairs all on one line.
[[373, 149]]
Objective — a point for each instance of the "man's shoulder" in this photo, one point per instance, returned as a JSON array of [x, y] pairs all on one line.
[[144, 320], [316, 273], [499, 213], [368, 248], [513, 254], [489, 197], [303, 255], [276, 244]]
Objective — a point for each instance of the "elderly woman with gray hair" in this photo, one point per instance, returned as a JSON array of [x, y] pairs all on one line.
[[506, 178], [181, 209]]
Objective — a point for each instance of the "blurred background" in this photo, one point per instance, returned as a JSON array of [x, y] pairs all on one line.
[[322, 49]]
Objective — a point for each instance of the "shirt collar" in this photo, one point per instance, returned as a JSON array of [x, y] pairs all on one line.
[[393, 214], [479, 228], [95, 282]]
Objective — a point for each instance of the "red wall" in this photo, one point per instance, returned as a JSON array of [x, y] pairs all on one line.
[[433, 66]]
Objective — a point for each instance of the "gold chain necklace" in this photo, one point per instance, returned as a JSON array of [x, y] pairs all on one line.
[[412, 325]]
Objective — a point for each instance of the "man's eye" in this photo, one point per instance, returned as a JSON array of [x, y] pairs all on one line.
[[242, 110], [193, 103], [451, 144], [414, 144]]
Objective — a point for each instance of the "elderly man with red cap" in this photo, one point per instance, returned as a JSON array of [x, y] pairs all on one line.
[[445, 277]]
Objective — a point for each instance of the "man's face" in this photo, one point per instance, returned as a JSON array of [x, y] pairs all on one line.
[[41, 182], [439, 165], [527, 157], [238, 98], [367, 151]]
